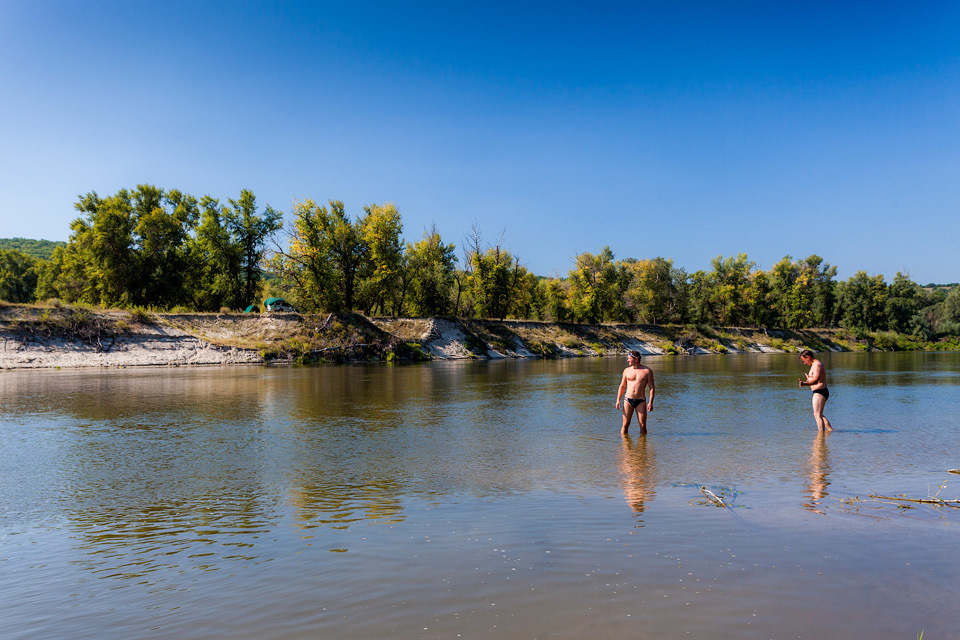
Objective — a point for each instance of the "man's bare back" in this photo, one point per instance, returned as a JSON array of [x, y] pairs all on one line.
[[633, 390]]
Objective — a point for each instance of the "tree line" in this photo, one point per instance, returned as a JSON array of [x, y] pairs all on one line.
[[153, 248]]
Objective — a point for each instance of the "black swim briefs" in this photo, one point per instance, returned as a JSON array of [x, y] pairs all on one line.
[[824, 392], [634, 401]]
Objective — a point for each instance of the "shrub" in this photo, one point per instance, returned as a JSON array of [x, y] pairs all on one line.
[[141, 316], [544, 349], [668, 348], [474, 345]]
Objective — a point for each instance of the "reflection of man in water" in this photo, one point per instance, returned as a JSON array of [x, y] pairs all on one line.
[[634, 382], [817, 381], [637, 470], [819, 470]]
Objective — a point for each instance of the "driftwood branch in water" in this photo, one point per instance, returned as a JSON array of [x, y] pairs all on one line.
[[714, 498], [947, 503]]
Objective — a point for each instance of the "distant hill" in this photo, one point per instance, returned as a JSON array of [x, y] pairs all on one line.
[[39, 249]]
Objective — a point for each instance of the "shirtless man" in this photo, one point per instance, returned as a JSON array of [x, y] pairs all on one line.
[[634, 382], [817, 381]]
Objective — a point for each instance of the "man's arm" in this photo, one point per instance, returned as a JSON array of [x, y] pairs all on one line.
[[621, 389], [653, 391]]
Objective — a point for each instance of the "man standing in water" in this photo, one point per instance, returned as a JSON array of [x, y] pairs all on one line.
[[634, 382], [817, 381]]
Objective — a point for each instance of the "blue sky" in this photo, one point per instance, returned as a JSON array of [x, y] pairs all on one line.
[[682, 130]]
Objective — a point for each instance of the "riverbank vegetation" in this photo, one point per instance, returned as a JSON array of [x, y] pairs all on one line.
[[150, 248]]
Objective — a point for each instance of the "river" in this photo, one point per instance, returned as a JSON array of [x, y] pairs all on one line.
[[480, 500]]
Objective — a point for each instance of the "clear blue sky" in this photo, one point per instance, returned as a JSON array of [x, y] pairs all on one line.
[[682, 130]]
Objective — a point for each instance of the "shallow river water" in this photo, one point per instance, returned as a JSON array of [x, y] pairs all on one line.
[[480, 500]]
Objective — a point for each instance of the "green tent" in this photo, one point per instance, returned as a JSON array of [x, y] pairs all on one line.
[[277, 304]]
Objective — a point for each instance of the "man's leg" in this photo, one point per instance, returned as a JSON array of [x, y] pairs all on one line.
[[627, 416], [642, 415], [822, 423]]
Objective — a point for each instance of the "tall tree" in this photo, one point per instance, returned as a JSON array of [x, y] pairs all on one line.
[[216, 258], [903, 302], [730, 285], [864, 300], [823, 306], [431, 266], [701, 298], [760, 300], [127, 249], [493, 276], [382, 280], [324, 257], [593, 288], [652, 291], [250, 232]]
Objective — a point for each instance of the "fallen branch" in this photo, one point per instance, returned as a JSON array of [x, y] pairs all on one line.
[[712, 497], [946, 503]]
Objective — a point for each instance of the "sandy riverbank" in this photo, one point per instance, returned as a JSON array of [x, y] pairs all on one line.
[[40, 337]]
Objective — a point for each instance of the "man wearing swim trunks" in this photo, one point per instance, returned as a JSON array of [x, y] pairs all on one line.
[[817, 381], [634, 382]]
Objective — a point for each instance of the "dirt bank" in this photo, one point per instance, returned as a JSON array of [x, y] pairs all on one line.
[[37, 337]]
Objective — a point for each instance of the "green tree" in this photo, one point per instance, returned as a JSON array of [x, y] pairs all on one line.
[[382, 285], [324, 257], [216, 261], [903, 302], [760, 300], [864, 301], [950, 316], [556, 301], [532, 299], [348, 252], [431, 265], [62, 276], [700, 298], [820, 275], [101, 255], [127, 249], [679, 304], [250, 233], [802, 293], [593, 286], [783, 288], [492, 277], [940, 314], [18, 276], [652, 292], [729, 286]]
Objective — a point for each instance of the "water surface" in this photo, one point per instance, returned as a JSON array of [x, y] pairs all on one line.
[[479, 499]]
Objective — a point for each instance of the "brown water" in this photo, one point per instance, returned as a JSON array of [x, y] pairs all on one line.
[[479, 500]]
